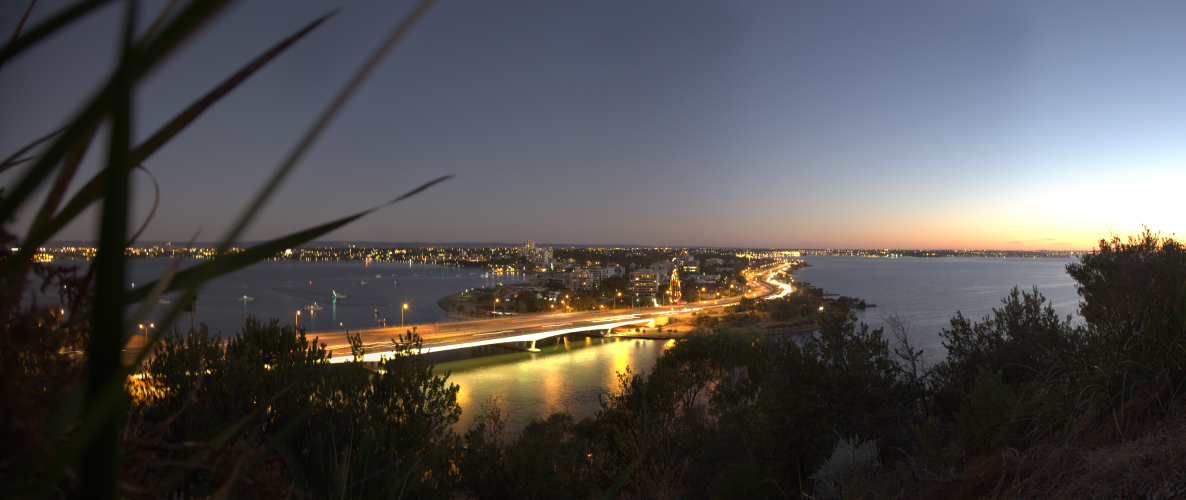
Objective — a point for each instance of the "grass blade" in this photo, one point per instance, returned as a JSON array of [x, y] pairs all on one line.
[[12, 161], [158, 20], [48, 27], [226, 263], [156, 200], [93, 190], [194, 110], [192, 18], [323, 120], [100, 464], [65, 175], [16, 33], [613, 489]]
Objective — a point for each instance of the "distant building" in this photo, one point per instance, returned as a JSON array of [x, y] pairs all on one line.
[[713, 262], [664, 269], [645, 282], [582, 281]]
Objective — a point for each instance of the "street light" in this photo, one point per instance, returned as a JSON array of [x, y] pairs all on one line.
[[297, 319], [616, 300], [401, 315]]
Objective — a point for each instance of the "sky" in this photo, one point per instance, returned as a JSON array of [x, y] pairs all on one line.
[[767, 124]]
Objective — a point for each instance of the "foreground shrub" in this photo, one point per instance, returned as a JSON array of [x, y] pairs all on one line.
[[1021, 340], [344, 429], [852, 464], [1130, 367]]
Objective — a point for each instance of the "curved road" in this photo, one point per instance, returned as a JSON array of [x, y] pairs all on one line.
[[444, 334]]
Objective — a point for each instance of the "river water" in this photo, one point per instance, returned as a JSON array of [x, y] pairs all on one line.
[[926, 293], [281, 288], [571, 376]]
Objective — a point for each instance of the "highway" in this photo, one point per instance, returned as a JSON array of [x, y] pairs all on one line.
[[508, 329]]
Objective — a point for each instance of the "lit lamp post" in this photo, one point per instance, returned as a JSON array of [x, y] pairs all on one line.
[[616, 300], [401, 315], [296, 319]]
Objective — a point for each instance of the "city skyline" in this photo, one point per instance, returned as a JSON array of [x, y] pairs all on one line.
[[921, 125]]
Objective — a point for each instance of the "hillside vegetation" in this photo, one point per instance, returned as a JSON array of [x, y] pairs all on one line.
[[1024, 405]]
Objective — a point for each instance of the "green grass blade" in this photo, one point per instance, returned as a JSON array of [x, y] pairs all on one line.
[[188, 21], [100, 463], [65, 176], [48, 27], [226, 263], [171, 37], [74, 133], [156, 200], [323, 121], [16, 33], [93, 190], [167, 132], [159, 20], [12, 161], [613, 489], [107, 405]]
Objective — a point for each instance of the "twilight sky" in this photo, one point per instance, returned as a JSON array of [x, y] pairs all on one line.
[[792, 124]]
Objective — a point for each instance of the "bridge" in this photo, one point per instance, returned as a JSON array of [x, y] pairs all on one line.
[[528, 330], [528, 335]]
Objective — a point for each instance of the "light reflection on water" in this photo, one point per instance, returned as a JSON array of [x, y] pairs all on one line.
[[566, 376]]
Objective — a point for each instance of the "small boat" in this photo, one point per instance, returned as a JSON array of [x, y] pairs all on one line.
[[360, 283], [314, 307], [339, 295], [163, 301], [245, 298], [378, 275]]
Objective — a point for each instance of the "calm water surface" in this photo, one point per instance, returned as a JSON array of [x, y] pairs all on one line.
[[568, 376], [281, 288], [926, 293]]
